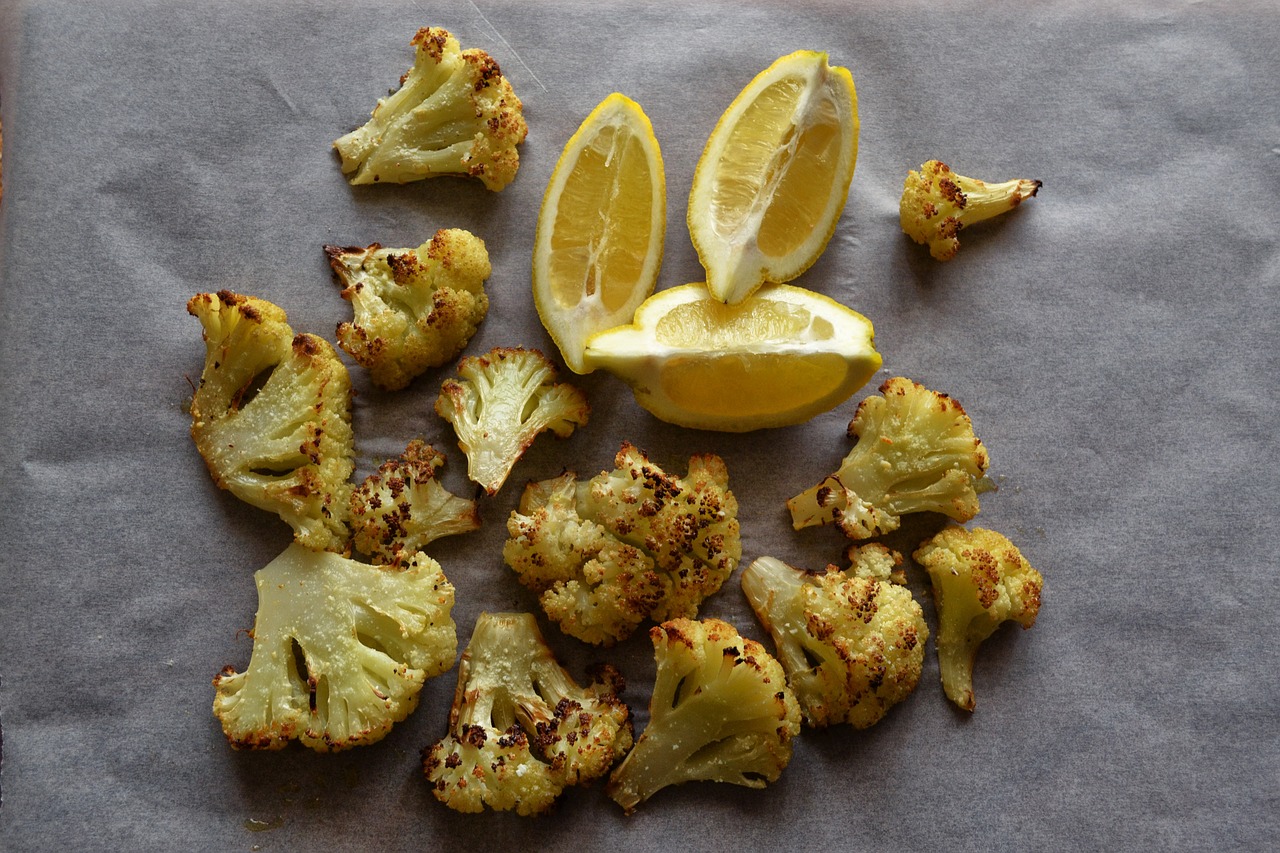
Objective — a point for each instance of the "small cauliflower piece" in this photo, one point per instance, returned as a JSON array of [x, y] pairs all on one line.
[[915, 452], [936, 203], [340, 651], [413, 308], [453, 114], [980, 580], [272, 416], [521, 729], [402, 507], [851, 642], [503, 401], [631, 544], [721, 711]]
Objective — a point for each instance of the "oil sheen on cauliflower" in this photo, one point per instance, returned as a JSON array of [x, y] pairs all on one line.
[[454, 114], [521, 729], [631, 544], [413, 308], [980, 580], [851, 642], [272, 416], [501, 402], [915, 452], [340, 651], [721, 712]]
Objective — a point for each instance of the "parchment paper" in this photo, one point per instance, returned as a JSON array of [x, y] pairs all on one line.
[[1113, 342]]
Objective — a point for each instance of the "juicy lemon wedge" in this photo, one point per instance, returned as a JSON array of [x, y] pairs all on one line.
[[780, 357], [774, 176], [600, 230]]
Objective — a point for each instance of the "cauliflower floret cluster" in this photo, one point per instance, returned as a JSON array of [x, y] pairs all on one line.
[[503, 400], [851, 642], [521, 729], [980, 580], [402, 507], [413, 308], [272, 416], [340, 651], [915, 452], [631, 544], [721, 711], [454, 114], [936, 203]]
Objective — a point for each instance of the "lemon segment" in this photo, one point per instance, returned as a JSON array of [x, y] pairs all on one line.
[[775, 175], [600, 230], [781, 357]]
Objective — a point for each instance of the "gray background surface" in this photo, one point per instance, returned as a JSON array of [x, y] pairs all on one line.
[[1113, 341]]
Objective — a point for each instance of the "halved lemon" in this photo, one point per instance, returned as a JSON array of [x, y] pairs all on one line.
[[600, 230], [782, 356], [774, 176]]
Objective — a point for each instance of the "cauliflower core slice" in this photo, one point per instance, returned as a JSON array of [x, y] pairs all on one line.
[[454, 114], [851, 642], [413, 308], [721, 712], [340, 651], [980, 580], [272, 416], [936, 203], [521, 730], [632, 544], [504, 400], [915, 452]]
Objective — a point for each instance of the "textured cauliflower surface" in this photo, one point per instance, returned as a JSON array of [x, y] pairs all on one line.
[[340, 651], [980, 580], [401, 508], [454, 114], [631, 544], [915, 452], [937, 203], [721, 711], [413, 308], [851, 642], [502, 402], [272, 416], [521, 730]]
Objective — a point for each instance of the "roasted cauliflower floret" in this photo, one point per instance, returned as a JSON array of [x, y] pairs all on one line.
[[980, 580], [721, 712], [272, 416], [936, 203], [631, 544], [521, 729], [504, 399], [915, 452], [413, 308], [402, 507], [454, 114], [340, 651], [851, 642]]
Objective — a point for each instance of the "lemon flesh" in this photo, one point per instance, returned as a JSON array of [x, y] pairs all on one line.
[[600, 230], [775, 175], [779, 358]]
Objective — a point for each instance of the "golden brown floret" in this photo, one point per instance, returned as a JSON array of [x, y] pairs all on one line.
[[937, 203]]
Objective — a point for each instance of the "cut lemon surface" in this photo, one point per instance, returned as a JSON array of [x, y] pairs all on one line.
[[774, 176], [780, 357], [599, 240]]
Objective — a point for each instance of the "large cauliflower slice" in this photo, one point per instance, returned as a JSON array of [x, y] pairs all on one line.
[[852, 642], [272, 416], [340, 651], [414, 308], [521, 729], [631, 544], [502, 401]]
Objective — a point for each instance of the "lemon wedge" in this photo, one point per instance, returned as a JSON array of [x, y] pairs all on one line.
[[600, 230], [774, 176], [782, 356]]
